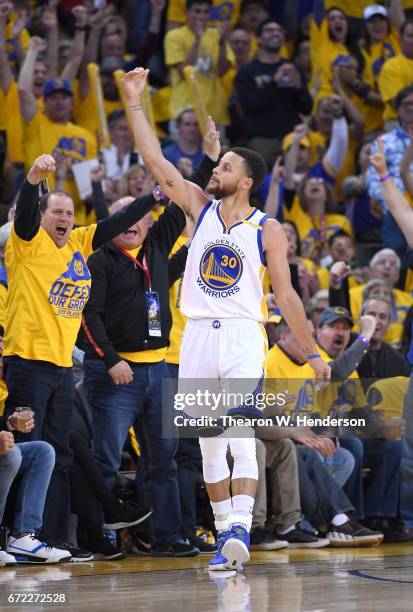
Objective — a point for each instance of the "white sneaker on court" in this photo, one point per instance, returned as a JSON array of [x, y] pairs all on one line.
[[5, 559], [28, 549]]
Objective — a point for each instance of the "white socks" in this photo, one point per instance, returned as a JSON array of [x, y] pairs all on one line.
[[222, 512], [339, 520], [238, 510]]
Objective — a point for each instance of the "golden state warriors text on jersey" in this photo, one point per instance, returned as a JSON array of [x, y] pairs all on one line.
[[221, 268], [225, 268]]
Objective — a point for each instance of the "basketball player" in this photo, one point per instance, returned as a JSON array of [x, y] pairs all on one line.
[[223, 299]]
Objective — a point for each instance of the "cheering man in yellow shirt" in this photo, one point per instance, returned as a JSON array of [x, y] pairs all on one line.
[[49, 285]]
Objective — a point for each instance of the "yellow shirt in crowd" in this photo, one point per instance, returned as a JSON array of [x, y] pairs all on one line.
[[3, 395], [403, 301], [178, 43], [44, 136], [285, 374], [178, 318], [221, 10], [309, 229], [324, 52], [3, 300], [48, 289], [396, 74]]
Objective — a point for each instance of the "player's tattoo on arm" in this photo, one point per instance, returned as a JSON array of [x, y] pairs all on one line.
[[170, 183], [136, 107]]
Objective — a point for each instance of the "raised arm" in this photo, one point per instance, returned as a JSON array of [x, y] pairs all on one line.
[[185, 194], [28, 104], [76, 53], [393, 197], [27, 219], [275, 245], [272, 203], [49, 20]]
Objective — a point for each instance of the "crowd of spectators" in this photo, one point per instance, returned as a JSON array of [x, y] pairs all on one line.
[[92, 263]]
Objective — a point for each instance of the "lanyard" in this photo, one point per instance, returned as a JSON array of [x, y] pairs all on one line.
[[143, 266]]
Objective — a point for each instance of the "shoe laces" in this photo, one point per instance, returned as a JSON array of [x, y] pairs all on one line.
[[45, 544]]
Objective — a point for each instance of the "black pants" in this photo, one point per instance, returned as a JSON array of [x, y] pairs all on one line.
[[86, 481], [48, 390]]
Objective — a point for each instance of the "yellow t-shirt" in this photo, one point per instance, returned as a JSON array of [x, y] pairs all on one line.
[[3, 300], [403, 302], [396, 74], [284, 374], [220, 11], [324, 52], [48, 289], [152, 356], [44, 136], [177, 45], [178, 318], [392, 391], [309, 229], [3, 395]]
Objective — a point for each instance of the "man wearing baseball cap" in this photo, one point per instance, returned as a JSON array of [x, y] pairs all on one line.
[[53, 131]]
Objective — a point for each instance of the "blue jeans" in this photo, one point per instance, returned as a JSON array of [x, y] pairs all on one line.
[[189, 462], [115, 408], [342, 465], [406, 477], [31, 464], [48, 390]]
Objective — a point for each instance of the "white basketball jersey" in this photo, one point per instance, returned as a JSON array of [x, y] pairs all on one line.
[[225, 268]]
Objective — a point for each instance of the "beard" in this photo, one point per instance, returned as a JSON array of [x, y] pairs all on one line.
[[214, 189]]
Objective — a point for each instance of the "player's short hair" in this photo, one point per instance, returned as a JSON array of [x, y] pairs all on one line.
[[44, 200], [255, 166]]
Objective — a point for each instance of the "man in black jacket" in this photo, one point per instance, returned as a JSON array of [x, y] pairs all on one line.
[[127, 323], [271, 93]]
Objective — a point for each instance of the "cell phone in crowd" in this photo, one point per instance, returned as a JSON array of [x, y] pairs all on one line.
[[100, 4]]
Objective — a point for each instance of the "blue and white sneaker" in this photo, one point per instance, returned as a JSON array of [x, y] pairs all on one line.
[[28, 549], [236, 548], [218, 563]]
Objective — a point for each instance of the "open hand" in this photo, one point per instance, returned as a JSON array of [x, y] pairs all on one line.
[[133, 83]]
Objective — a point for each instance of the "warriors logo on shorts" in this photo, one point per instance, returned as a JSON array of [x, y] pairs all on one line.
[[220, 267]]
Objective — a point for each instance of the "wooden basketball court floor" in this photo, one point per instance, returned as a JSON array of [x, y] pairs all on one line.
[[341, 580]]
